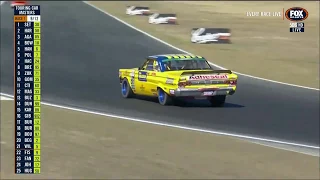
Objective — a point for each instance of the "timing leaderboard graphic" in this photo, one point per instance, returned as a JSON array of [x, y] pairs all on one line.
[[27, 59]]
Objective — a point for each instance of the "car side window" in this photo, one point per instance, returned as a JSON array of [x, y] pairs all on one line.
[[148, 65], [144, 65], [156, 66]]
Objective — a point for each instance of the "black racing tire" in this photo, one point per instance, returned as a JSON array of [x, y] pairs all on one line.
[[163, 98], [217, 101], [126, 90]]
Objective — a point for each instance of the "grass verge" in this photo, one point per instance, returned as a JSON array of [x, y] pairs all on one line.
[[79, 145], [262, 46]]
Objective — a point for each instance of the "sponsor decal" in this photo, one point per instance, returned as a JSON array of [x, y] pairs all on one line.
[[125, 73], [142, 87], [152, 74], [171, 91], [142, 76], [201, 77], [296, 14], [169, 81], [153, 90], [133, 87], [132, 73]]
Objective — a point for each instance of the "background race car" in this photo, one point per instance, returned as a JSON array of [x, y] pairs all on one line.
[[17, 3], [163, 19], [138, 10], [210, 35]]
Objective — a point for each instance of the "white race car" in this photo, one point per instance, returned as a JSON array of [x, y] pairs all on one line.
[[162, 19], [198, 36], [134, 10], [17, 3]]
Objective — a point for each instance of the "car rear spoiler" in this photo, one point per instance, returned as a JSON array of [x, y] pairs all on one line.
[[222, 71], [208, 72]]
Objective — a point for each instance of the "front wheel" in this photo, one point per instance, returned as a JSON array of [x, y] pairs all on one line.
[[126, 90], [217, 101], [163, 98]]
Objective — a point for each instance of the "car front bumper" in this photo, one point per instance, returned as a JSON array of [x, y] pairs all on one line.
[[185, 92]]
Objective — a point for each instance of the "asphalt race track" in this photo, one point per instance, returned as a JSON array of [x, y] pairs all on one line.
[[82, 50]]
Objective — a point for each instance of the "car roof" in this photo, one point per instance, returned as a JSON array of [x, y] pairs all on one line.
[[173, 57]]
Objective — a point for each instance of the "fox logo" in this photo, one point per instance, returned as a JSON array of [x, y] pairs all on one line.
[[296, 14]]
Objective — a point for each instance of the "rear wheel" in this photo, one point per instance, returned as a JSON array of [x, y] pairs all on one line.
[[163, 98], [126, 90], [217, 101]]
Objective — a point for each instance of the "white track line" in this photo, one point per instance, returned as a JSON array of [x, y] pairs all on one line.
[[172, 125], [311, 153], [2, 98], [172, 46]]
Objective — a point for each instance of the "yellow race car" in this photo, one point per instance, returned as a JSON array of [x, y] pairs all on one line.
[[172, 77]]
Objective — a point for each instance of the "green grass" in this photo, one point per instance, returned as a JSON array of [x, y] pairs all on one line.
[[261, 46]]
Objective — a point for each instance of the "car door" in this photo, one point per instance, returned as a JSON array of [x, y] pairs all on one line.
[[142, 81], [154, 78]]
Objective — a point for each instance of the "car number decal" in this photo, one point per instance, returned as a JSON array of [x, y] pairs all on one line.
[[142, 76]]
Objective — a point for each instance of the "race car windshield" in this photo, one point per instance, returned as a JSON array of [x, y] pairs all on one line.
[[177, 65]]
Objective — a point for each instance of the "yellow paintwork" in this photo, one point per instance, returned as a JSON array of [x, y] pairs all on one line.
[[151, 80]]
